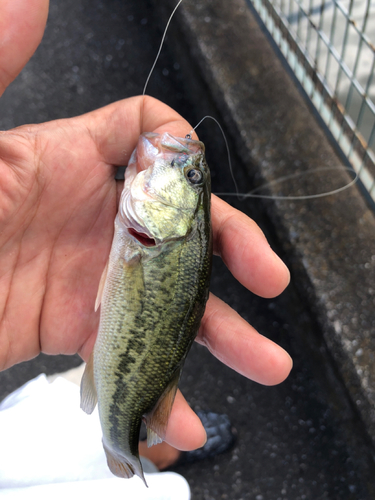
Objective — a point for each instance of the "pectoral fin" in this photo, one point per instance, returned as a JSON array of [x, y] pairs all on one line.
[[89, 397], [157, 420], [101, 287]]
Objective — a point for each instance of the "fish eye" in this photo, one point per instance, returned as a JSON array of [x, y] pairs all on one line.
[[194, 176]]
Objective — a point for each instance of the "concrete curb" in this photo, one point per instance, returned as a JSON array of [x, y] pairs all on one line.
[[329, 243]]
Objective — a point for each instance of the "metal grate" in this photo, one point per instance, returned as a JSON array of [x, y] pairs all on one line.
[[330, 46]]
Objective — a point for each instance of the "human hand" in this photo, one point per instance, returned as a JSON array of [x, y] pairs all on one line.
[[58, 203], [58, 200]]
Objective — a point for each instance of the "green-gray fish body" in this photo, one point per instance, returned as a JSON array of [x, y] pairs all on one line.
[[153, 295]]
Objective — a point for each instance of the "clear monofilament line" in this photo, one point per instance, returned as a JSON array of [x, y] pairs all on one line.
[[226, 145], [161, 46], [251, 194]]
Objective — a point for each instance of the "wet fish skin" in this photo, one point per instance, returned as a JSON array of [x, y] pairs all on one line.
[[153, 298]]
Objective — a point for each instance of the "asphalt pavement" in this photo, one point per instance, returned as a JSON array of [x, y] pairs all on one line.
[[299, 440]]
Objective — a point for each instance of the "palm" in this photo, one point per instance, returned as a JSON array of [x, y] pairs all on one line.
[[55, 238]]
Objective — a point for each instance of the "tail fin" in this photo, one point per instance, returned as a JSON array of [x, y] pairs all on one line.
[[121, 467]]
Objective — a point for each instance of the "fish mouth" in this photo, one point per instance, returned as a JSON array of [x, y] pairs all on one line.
[[143, 238]]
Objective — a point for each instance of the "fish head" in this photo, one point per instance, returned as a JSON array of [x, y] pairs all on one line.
[[167, 184]]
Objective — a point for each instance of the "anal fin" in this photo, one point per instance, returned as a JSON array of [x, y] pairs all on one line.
[[157, 420], [89, 397]]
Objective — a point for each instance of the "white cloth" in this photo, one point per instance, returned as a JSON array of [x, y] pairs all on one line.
[[49, 448]]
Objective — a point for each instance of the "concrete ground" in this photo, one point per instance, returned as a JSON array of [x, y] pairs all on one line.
[[300, 440]]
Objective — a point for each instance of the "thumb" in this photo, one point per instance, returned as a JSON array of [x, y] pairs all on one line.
[[22, 24]]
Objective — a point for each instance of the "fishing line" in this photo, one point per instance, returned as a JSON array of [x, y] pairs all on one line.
[[253, 194], [161, 46], [226, 145]]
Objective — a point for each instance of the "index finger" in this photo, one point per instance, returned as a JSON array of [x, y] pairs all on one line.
[[241, 244], [22, 24]]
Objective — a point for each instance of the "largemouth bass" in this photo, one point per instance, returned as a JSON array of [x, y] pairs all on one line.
[[153, 295]]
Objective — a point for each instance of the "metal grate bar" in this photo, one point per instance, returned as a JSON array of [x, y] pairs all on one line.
[[330, 46]]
